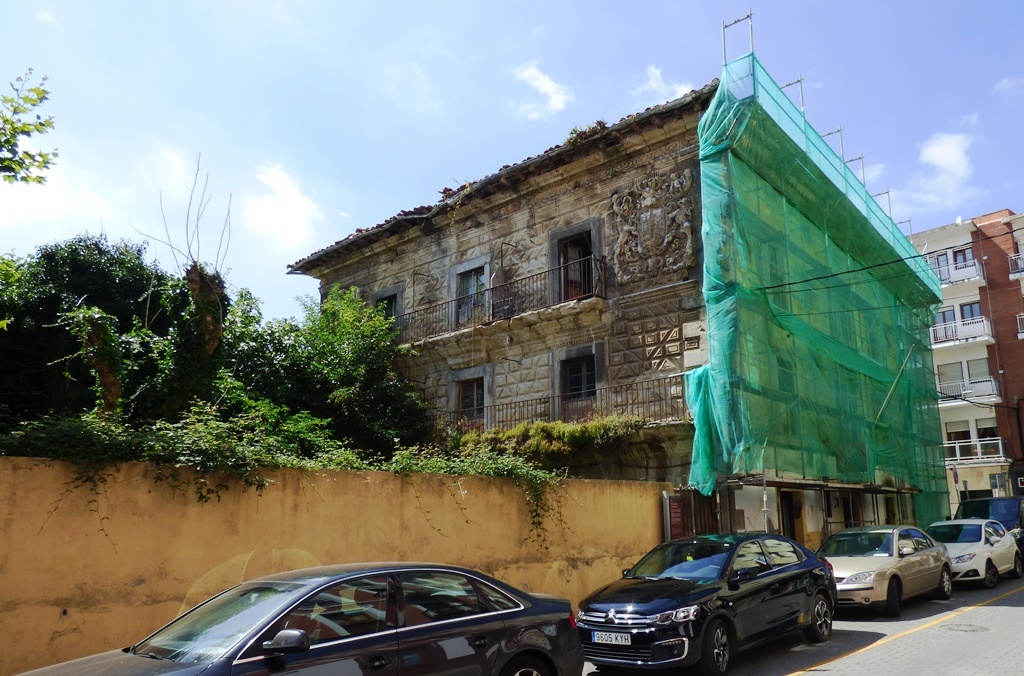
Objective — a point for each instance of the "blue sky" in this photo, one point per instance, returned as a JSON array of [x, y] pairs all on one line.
[[321, 117]]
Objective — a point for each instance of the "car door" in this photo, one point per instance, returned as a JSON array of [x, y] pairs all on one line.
[[909, 565], [352, 629], [787, 597], [930, 559], [444, 626], [1003, 546], [749, 591]]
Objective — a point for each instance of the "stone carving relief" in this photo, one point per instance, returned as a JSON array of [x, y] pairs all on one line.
[[655, 221], [428, 287]]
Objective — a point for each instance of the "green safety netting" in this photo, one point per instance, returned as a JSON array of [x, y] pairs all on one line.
[[827, 378]]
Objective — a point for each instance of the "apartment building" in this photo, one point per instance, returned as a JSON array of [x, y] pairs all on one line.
[[978, 351]]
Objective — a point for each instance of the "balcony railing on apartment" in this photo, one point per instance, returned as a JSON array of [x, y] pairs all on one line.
[[1016, 265], [963, 329], [652, 400], [975, 451], [572, 281], [961, 271], [968, 389], [1020, 326]]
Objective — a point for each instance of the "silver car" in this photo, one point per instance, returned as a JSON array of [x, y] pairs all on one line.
[[880, 566]]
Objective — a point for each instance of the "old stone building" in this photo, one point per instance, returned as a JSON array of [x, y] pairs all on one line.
[[562, 287]]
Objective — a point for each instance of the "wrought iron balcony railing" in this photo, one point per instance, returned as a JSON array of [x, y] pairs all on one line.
[[653, 400], [572, 281]]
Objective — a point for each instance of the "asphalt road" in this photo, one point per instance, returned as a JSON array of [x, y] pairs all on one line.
[[976, 632]]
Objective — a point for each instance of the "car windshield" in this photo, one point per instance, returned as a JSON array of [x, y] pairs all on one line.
[[210, 630], [1004, 510], [686, 560], [956, 532], [872, 543]]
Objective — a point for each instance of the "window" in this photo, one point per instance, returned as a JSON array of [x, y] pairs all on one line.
[[905, 540], [940, 263], [780, 552], [920, 540], [431, 596], [977, 369], [749, 555], [987, 428], [388, 304], [575, 258], [471, 399], [997, 528], [958, 430], [950, 373], [945, 316], [470, 301], [970, 310], [350, 608], [494, 599], [579, 377], [962, 257]]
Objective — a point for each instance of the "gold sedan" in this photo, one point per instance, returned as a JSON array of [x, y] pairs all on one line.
[[883, 565]]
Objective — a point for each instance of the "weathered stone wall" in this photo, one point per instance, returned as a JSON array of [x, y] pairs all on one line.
[[82, 573]]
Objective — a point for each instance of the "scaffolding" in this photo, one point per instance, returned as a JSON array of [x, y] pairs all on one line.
[[818, 311]]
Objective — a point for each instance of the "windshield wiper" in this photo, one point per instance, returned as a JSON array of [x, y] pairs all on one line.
[[151, 655]]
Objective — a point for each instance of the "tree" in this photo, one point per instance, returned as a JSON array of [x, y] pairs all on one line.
[[18, 121]]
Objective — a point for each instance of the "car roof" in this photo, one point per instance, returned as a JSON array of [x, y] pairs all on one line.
[[968, 522], [731, 538], [325, 573], [881, 528]]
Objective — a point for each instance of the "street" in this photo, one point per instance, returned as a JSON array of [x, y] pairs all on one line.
[[972, 633]]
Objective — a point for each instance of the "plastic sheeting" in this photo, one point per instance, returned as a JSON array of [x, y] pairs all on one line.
[[829, 377]]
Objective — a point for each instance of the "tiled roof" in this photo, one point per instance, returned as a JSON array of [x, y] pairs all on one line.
[[582, 142]]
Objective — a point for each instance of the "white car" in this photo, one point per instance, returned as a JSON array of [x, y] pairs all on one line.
[[979, 549]]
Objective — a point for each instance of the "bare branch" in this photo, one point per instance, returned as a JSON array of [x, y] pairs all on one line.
[[167, 231]]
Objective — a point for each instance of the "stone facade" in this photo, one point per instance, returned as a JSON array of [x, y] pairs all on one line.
[[631, 195]]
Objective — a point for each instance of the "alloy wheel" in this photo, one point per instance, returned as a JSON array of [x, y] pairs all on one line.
[[991, 575], [721, 648], [822, 618], [947, 583], [526, 671]]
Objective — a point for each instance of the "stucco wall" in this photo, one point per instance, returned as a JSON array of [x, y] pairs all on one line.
[[83, 572]]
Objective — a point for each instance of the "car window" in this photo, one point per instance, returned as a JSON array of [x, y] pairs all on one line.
[[749, 555], [858, 543], [920, 540], [431, 596], [905, 540], [350, 608], [494, 599], [780, 552], [955, 532], [997, 528]]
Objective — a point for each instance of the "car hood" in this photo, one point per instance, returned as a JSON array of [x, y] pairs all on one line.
[[119, 663], [647, 596], [845, 566], [959, 548]]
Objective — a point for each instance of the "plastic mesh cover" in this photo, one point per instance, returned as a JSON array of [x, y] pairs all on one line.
[[827, 379]]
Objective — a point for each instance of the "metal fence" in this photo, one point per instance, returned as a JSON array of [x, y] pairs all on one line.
[[572, 281], [652, 400]]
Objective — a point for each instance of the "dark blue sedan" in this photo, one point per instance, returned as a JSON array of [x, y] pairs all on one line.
[[380, 618]]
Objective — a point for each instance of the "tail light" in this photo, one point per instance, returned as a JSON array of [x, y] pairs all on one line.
[[572, 620], [830, 568]]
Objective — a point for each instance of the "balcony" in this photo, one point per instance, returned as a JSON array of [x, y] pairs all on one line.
[[1020, 327], [653, 400], [962, 331], [1016, 265], [975, 451], [967, 391], [577, 280], [958, 273]]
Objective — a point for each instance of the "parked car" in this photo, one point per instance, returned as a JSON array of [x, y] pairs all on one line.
[[885, 565], [698, 600], [385, 618], [979, 550], [1007, 511]]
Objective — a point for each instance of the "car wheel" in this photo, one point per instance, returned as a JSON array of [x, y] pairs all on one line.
[[820, 628], [991, 575], [527, 665], [892, 598], [1018, 567], [716, 649], [945, 588]]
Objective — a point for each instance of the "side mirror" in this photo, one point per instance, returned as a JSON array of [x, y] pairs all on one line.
[[741, 575], [906, 550], [288, 641], [625, 572]]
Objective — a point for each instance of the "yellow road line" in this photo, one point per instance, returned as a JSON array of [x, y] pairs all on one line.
[[907, 632]]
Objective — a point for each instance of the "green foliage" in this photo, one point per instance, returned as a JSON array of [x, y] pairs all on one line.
[[18, 121], [547, 441]]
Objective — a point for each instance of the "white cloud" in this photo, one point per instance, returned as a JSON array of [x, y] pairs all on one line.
[[1009, 85], [46, 16], [410, 88], [659, 89], [556, 95], [44, 210], [873, 172], [944, 180], [284, 214]]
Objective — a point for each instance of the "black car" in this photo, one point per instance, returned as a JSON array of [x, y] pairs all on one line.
[[1008, 511], [695, 601], [400, 618]]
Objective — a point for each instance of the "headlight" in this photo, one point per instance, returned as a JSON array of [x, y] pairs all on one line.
[[861, 578], [677, 615], [963, 558]]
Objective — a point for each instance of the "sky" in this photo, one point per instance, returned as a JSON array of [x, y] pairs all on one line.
[[316, 118]]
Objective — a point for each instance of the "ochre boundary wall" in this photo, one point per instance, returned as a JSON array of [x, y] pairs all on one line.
[[82, 572]]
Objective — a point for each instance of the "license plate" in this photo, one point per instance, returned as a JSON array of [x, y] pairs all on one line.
[[612, 637]]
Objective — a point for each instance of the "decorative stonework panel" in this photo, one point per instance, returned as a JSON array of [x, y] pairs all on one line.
[[527, 378], [655, 222], [647, 341]]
